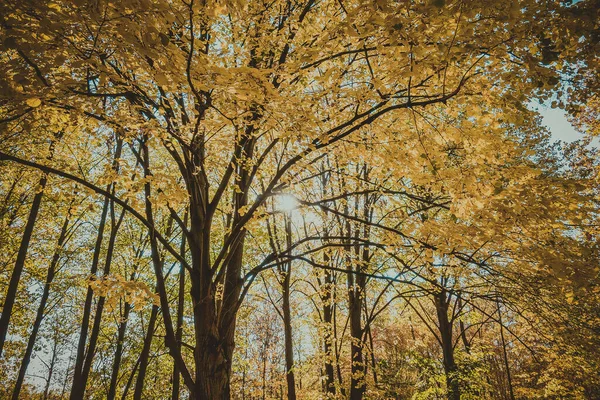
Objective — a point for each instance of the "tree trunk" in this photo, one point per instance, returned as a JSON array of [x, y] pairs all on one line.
[[504, 352], [112, 390], [327, 293], [52, 364], [91, 352], [85, 359], [289, 349], [442, 301], [373, 361], [356, 291], [77, 388], [41, 308], [145, 355], [287, 318], [180, 312], [13, 285], [357, 380], [130, 380]]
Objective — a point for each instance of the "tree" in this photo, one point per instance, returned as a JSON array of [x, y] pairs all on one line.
[[213, 108]]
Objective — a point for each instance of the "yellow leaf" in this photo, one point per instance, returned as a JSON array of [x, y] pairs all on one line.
[[34, 102]]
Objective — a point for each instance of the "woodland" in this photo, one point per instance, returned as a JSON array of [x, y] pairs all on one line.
[[298, 199]]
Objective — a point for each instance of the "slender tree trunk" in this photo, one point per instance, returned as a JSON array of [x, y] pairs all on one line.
[[52, 364], [463, 329], [445, 326], [130, 380], [264, 375], [41, 308], [66, 380], [13, 285], [112, 390], [77, 388], [287, 317], [194, 386], [94, 334], [180, 312], [373, 362], [145, 355], [504, 352], [85, 358], [289, 350], [338, 349], [114, 378], [327, 292], [356, 291], [114, 228]]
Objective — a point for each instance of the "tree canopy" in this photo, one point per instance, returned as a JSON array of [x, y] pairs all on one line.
[[336, 199]]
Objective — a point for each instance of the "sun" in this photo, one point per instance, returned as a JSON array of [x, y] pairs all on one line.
[[286, 203]]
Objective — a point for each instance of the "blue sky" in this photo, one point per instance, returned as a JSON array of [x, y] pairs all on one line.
[[556, 120]]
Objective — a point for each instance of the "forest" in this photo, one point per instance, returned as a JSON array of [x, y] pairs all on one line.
[[299, 199]]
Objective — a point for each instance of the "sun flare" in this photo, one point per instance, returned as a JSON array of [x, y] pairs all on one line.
[[286, 203]]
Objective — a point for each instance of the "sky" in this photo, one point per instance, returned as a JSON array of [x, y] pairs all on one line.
[[556, 121]]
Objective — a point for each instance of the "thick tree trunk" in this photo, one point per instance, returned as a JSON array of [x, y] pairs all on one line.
[[214, 347], [13, 285], [41, 308], [442, 301]]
